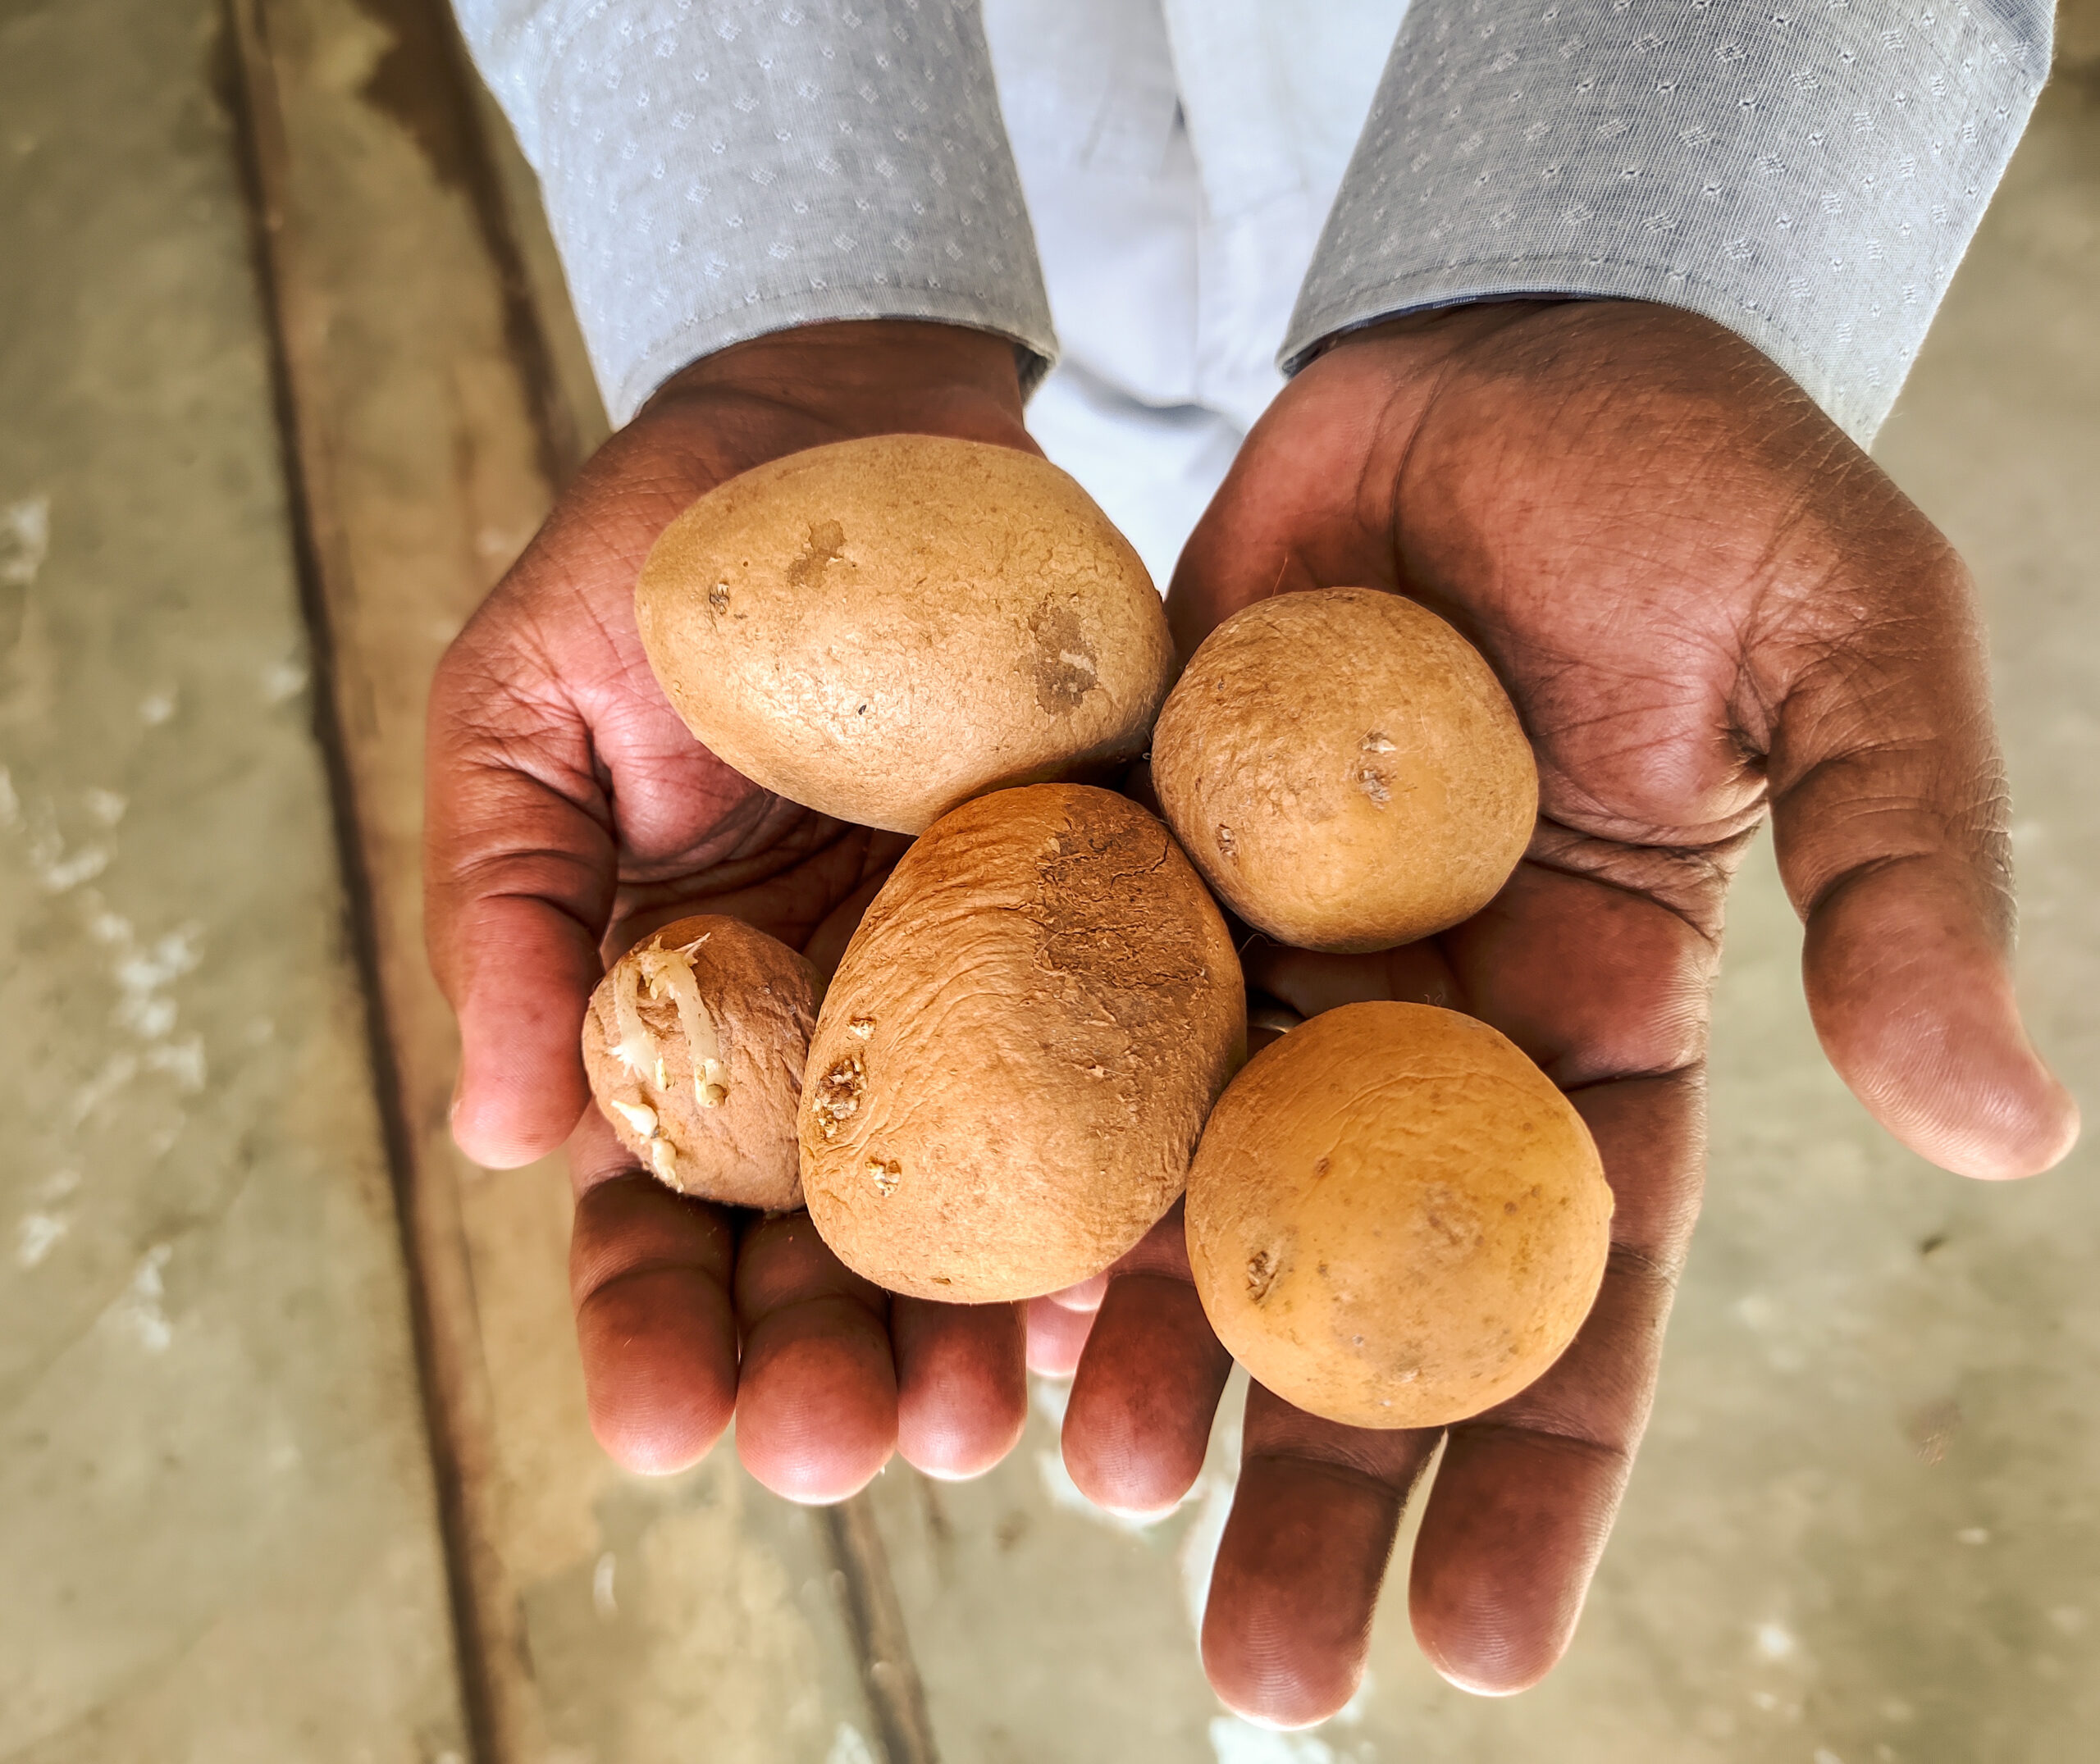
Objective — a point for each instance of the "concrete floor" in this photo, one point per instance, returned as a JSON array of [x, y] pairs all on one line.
[[217, 1529], [1864, 1526]]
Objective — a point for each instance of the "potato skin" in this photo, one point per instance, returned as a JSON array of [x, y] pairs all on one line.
[[1345, 770], [762, 999], [1019, 1049], [1395, 1219], [879, 629]]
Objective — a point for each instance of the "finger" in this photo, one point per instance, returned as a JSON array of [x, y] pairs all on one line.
[[1147, 1383], [649, 1275], [1288, 1621], [1889, 812], [1526, 1494], [518, 882], [962, 1384], [817, 1408], [1059, 1325]]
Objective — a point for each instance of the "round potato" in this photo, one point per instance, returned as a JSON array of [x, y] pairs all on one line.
[[881, 629], [1018, 1051], [1345, 770], [693, 1044], [1395, 1219]]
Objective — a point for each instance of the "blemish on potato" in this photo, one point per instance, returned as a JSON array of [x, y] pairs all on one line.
[[838, 1099], [826, 543]]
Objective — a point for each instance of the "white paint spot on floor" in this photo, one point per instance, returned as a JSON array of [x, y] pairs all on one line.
[[60, 873], [847, 1747], [1753, 1311], [182, 1060], [2068, 1619], [141, 1310], [601, 1586], [283, 680], [57, 1185], [1237, 1741], [157, 706], [36, 1234], [106, 806], [11, 804], [1972, 1535], [24, 540], [142, 976], [1775, 1641], [1825, 1755], [117, 1071]]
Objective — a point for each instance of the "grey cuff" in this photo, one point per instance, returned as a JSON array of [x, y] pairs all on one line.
[[1806, 172], [715, 169]]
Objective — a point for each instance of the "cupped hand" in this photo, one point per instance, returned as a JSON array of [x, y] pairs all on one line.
[[1709, 606], [570, 814]]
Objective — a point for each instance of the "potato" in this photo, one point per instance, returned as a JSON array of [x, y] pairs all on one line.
[[880, 629], [695, 1043], [1019, 1049], [1345, 770], [1395, 1219]]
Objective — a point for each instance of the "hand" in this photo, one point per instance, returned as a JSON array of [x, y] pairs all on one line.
[[570, 813], [1708, 605]]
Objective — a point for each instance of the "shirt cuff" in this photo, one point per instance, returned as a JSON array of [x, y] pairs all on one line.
[[713, 171], [1807, 173]]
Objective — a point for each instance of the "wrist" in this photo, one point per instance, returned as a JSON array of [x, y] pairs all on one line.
[[866, 376]]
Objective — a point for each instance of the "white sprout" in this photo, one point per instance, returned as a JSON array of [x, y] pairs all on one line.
[[639, 1116], [670, 972]]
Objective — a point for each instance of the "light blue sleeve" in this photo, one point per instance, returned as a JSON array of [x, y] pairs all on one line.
[[713, 170], [1806, 172]]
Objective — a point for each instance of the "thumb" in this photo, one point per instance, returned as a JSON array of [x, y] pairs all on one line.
[[1889, 814], [518, 882]]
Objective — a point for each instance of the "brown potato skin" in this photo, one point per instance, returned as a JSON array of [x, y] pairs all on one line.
[[762, 997], [1345, 770], [1395, 1219], [1044, 1003], [879, 629]]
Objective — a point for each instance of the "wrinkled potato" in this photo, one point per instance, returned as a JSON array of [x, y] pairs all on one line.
[[693, 1044], [1395, 1219], [880, 629], [1019, 1049], [1345, 770]]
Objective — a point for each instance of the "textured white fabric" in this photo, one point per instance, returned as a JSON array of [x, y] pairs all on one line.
[[1806, 172], [715, 169]]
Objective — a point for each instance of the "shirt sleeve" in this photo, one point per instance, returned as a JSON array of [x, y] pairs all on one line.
[[1806, 172], [713, 170]]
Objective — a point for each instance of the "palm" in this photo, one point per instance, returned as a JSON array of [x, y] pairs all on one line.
[[1702, 601], [570, 813]]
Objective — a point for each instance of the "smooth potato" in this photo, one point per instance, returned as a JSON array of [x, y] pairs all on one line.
[[1019, 1049], [1395, 1219], [1345, 770], [880, 629], [693, 1044]]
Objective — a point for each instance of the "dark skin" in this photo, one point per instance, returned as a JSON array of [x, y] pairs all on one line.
[[1708, 606]]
